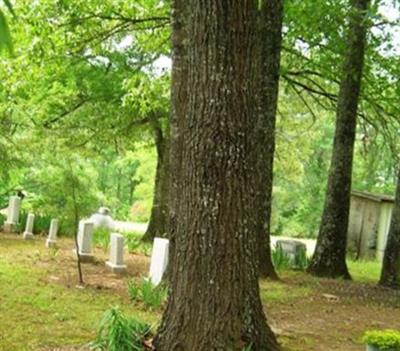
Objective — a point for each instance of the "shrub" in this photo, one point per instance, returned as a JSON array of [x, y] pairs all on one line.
[[135, 244], [2, 219], [383, 339], [120, 333], [101, 238], [280, 259], [144, 291]]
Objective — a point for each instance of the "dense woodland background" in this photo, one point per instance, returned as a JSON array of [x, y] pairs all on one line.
[[84, 102]]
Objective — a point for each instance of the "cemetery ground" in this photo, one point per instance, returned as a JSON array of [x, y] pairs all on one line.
[[42, 307]]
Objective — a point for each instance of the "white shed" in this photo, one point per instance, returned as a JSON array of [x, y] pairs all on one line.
[[369, 223]]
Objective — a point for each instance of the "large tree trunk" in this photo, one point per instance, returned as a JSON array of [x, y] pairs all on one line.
[[390, 275], [179, 102], [271, 15], [159, 212], [214, 301], [329, 259]]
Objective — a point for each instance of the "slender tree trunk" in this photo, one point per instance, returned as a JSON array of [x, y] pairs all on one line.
[[214, 302], [329, 259], [159, 212], [76, 221], [390, 275], [271, 15]]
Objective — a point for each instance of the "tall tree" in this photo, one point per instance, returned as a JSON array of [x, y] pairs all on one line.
[[214, 301], [329, 259], [270, 18], [390, 275]]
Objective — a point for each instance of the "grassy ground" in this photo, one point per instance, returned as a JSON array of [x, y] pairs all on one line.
[[41, 304], [43, 308]]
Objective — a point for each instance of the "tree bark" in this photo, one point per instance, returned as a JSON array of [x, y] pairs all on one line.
[[179, 103], [214, 301], [329, 259], [390, 275], [271, 15], [159, 212]]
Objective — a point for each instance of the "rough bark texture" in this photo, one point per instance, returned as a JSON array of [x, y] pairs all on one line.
[[390, 275], [270, 24], [214, 301], [159, 212], [329, 259], [179, 102]]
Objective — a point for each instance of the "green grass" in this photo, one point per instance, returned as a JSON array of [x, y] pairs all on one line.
[[365, 271], [282, 292], [37, 314]]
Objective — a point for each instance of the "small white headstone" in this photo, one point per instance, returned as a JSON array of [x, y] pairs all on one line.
[[52, 238], [159, 260], [28, 233], [12, 214], [85, 232], [116, 262]]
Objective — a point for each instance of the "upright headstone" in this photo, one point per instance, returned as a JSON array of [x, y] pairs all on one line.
[[28, 233], [159, 260], [293, 249], [52, 238], [85, 232], [116, 262], [12, 214]]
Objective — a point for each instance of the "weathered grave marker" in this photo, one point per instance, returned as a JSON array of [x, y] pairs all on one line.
[[159, 260], [85, 232], [294, 250], [52, 238], [28, 233], [116, 262], [12, 214]]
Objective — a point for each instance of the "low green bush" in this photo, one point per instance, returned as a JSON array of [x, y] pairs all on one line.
[[120, 333], [101, 238], [135, 244], [280, 259], [383, 339], [144, 291], [2, 219]]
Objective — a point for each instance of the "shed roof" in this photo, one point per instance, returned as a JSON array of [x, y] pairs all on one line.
[[372, 196]]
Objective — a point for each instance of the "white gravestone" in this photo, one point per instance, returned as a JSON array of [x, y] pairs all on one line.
[[159, 260], [116, 262], [85, 232], [28, 233], [12, 214], [52, 238]]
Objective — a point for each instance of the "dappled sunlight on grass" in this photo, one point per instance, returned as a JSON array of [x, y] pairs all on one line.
[[365, 271]]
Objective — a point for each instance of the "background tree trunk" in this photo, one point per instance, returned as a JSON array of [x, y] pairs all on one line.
[[390, 275], [159, 212], [271, 15], [214, 302], [329, 259]]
